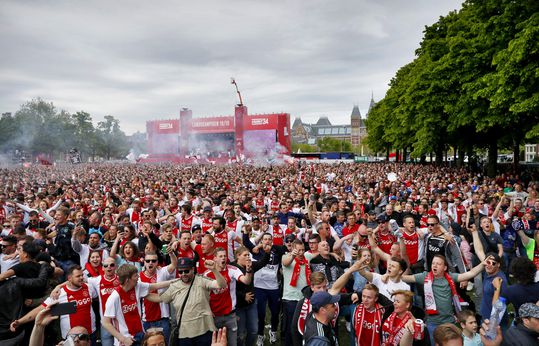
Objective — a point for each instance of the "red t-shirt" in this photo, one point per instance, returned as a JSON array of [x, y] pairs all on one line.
[[411, 242], [385, 241], [151, 311], [278, 235], [369, 329], [221, 240], [350, 229], [201, 259], [84, 316], [130, 311], [206, 224], [186, 223]]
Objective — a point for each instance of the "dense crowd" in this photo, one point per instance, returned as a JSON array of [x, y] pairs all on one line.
[[299, 254]]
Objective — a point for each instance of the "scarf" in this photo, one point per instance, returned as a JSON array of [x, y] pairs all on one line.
[[93, 272], [297, 270], [394, 330], [359, 317], [430, 302]]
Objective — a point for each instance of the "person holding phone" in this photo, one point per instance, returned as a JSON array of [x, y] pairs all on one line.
[[74, 290]]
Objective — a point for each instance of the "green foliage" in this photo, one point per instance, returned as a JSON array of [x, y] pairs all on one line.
[[303, 148], [333, 144], [39, 128], [473, 84]]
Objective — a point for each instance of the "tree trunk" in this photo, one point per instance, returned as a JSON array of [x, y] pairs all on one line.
[[387, 153], [492, 158], [460, 159], [439, 156], [397, 155], [404, 153], [423, 159], [516, 154]]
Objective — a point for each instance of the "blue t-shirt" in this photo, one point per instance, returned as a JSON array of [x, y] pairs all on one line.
[[518, 294], [488, 293]]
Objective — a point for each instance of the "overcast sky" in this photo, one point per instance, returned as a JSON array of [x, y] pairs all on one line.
[[143, 60]]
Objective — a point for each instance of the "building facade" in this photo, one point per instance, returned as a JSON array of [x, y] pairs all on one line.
[[353, 132]]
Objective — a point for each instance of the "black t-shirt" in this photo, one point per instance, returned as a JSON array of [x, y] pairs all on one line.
[[435, 246]]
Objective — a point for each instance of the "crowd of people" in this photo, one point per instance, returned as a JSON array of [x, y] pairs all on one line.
[[297, 254]]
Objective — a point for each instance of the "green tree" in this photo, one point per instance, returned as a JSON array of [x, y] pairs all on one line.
[[112, 142], [333, 144]]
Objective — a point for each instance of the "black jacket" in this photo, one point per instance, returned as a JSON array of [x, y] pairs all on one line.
[[12, 299], [241, 288], [520, 336]]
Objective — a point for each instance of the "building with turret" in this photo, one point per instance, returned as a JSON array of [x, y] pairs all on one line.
[[353, 132]]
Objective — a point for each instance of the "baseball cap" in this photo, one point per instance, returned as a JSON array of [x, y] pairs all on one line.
[[372, 212], [321, 298], [196, 227], [393, 198], [207, 208], [185, 262], [382, 218], [528, 310], [289, 238], [255, 218]]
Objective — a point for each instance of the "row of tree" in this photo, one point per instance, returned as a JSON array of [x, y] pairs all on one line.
[[38, 128], [474, 84]]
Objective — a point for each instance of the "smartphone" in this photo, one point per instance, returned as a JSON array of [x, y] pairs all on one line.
[[64, 309]]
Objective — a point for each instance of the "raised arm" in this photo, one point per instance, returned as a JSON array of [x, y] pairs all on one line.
[[173, 260], [343, 279], [472, 273], [219, 281], [114, 249], [477, 244], [340, 241]]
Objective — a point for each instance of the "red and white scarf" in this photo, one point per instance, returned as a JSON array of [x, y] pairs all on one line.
[[297, 271], [430, 302], [359, 317], [395, 331]]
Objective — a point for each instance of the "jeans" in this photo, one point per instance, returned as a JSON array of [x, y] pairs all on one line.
[[201, 340], [15, 341], [163, 323], [228, 321], [430, 328], [289, 307], [247, 324], [271, 298], [106, 338]]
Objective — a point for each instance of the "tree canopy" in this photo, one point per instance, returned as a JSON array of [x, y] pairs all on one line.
[[38, 128], [473, 85]]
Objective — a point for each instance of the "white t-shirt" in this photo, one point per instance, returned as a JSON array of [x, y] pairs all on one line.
[[115, 308], [6, 264], [390, 287]]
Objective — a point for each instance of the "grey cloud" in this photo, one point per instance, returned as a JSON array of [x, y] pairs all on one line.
[[140, 60]]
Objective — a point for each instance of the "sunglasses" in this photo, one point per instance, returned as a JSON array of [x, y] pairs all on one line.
[[431, 224], [80, 336], [151, 261], [492, 263], [186, 271], [112, 265], [380, 222]]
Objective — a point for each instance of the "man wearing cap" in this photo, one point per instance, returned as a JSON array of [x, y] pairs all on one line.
[[527, 331], [192, 292], [9, 256], [318, 329], [94, 244], [206, 222]]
